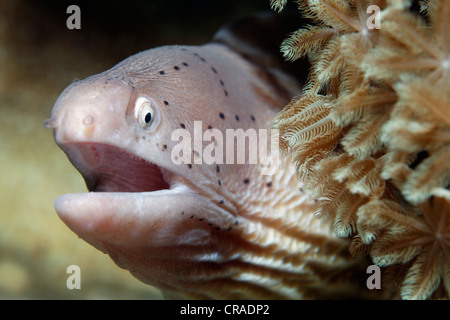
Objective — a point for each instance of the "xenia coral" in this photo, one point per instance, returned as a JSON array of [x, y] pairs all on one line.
[[370, 133]]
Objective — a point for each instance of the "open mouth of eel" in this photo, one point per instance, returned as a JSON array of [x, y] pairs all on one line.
[[107, 168]]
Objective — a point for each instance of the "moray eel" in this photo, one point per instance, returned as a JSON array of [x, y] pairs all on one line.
[[195, 229]]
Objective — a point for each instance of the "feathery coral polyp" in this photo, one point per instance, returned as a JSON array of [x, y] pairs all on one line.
[[371, 132]]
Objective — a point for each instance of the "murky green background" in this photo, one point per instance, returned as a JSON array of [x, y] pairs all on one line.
[[39, 57]]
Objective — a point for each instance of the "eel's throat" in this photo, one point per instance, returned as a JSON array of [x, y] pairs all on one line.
[[106, 168]]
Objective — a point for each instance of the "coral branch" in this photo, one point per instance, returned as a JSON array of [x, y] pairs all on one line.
[[371, 133]]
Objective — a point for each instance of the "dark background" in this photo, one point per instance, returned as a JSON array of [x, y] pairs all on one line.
[[37, 36]]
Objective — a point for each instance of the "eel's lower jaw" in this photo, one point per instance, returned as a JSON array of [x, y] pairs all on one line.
[[127, 220]]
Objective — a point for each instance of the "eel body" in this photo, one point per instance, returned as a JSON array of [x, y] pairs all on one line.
[[147, 137]]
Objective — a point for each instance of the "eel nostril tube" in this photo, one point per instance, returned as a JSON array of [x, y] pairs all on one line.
[[88, 120], [89, 128], [49, 123]]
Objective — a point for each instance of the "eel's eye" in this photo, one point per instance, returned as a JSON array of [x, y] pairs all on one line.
[[144, 112]]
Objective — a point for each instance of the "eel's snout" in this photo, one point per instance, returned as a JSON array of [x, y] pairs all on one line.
[[89, 110]]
